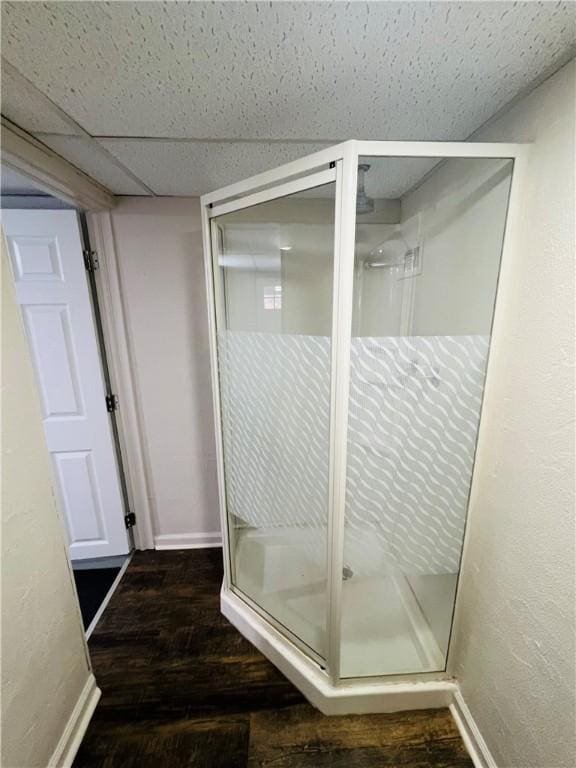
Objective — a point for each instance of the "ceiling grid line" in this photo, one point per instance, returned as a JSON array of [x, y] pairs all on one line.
[[79, 131]]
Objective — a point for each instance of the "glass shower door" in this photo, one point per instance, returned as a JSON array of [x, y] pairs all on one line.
[[429, 237], [273, 277]]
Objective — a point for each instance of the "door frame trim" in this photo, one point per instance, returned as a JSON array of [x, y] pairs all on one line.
[[105, 364], [63, 180], [51, 172], [122, 375]]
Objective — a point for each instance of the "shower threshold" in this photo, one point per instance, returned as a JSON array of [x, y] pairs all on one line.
[[384, 630], [375, 694]]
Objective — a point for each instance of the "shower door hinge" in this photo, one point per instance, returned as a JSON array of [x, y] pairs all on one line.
[[130, 520], [111, 403], [90, 260]]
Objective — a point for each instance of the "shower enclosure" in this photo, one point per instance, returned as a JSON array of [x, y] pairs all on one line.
[[351, 299]]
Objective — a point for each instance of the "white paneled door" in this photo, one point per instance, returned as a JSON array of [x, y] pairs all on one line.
[[52, 289]]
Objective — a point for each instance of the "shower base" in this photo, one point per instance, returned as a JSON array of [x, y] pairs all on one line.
[[384, 628]]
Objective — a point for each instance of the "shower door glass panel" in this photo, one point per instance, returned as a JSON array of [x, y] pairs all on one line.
[[273, 274], [429, 236]]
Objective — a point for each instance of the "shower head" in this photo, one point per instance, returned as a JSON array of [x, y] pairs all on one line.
[[364, 204]]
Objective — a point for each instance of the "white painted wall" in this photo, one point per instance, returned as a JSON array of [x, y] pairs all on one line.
[[244, 292], [159, 251], [45, 664], [458, 216], [304, 272], [513, 643]]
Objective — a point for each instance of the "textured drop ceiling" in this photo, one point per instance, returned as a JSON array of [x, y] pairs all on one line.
[[180, 98]]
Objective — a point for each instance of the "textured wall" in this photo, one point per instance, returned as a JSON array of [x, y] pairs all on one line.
[[159, 248], [44, 658], [513, 645]]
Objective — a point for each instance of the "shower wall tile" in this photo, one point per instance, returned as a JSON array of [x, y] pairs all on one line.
[[414, 412]]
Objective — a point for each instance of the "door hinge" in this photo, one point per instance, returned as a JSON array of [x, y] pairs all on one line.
[[90, 260], [130, 520], [111, 403]]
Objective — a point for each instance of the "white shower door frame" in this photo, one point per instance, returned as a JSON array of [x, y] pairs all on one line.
[[340, 162], [316, 178]]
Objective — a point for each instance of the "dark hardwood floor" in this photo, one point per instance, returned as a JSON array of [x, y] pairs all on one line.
[[181, 687]]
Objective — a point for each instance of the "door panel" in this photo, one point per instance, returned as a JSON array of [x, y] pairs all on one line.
[[273, 276], [50, 336], [424, 292], [46, 254], [76, 477]]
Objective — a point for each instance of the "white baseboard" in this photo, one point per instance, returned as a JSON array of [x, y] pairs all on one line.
[[471, 736], [66, 749], [188, 540]]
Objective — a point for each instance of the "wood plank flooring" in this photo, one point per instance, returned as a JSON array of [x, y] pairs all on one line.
[[181, 687]]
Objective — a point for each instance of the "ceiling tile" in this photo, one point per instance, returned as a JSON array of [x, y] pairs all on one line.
[[28, 108], [194, 168], [86, 154], [322, 70]]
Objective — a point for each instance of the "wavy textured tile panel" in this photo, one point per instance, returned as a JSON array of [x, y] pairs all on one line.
[[275, 409], [414, 411]]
